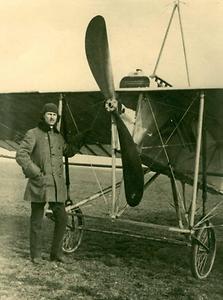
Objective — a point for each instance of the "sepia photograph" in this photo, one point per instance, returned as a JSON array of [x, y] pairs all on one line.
[[111, 150]]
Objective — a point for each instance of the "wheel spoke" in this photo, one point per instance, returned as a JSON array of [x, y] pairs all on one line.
[[203, 251], [74, 231], [202, 263], [201, 245]]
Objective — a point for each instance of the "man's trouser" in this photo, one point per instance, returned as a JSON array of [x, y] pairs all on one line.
[[36, 220]]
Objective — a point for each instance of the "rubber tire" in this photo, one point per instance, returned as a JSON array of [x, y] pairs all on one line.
[[74, 231], [203, 251]]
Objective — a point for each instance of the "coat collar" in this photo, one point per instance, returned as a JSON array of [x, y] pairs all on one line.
[[45, 127]]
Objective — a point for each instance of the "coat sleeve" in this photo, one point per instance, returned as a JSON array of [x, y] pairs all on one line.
[[23, 156]]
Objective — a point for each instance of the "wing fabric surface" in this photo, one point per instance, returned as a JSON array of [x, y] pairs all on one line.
[[171, 133], [21, 111], [167, 120]]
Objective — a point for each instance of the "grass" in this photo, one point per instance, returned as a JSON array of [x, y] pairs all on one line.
[[105, 266]]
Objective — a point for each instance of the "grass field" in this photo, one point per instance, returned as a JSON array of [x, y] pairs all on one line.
[[105, 266]]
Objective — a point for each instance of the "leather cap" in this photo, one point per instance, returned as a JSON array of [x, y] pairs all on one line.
[[50, 107]]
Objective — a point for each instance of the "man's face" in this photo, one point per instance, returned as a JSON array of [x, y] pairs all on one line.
[[50, 118]]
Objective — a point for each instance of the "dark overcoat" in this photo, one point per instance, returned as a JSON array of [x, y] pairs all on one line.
[[40, 155]]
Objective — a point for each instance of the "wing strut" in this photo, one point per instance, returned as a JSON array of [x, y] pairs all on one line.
[[176, 6], [197, 159], [62, 104], [204, 164]]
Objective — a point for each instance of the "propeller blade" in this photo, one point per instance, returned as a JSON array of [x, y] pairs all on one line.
[[98, 56], [131, 163], [97, 52]]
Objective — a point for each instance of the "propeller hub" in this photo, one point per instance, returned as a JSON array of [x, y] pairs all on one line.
[[111, 105]]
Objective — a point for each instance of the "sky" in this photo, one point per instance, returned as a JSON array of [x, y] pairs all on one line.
[[42, 42]]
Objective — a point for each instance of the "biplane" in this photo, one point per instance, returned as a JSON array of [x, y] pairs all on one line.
[[164, 130]]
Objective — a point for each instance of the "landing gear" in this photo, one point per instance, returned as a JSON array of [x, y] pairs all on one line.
[[74, 231], [203, 251]]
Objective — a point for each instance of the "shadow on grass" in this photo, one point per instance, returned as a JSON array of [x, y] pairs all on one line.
[[111, 250]]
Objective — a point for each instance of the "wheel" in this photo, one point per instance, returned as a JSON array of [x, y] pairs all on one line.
[[74, 231], [203, 251]]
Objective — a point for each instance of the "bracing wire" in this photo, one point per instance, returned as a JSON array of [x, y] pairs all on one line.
[[164, 143], [183, 42], [164, 148], [176, 7], [160, 136], [91, 164], [164, 40], [72, 117]]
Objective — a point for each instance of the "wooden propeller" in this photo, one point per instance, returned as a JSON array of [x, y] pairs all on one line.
[[98, 56]]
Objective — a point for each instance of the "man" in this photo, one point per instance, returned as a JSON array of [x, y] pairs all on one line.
[[40, 155]]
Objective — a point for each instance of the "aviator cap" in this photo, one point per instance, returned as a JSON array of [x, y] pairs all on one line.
[[50, 107]]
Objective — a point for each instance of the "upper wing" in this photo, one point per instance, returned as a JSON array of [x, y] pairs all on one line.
[[165, 129], [84, 110]]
